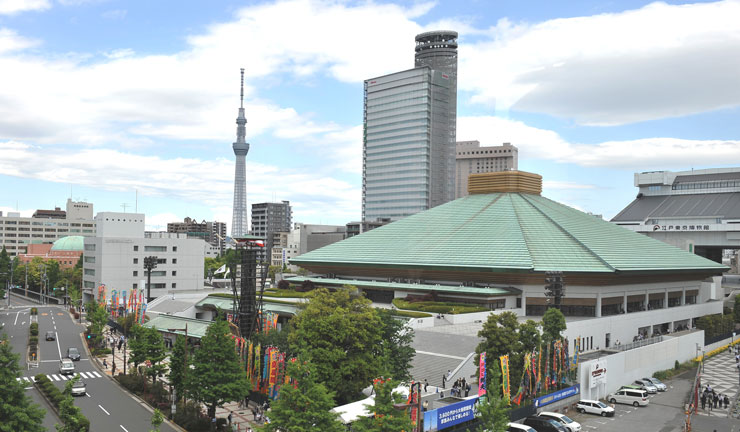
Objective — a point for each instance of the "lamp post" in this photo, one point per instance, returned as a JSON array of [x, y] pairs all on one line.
[[150, 263]]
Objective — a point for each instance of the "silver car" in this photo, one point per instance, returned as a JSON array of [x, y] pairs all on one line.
[[657, 383], [66, 367], [647, 385], [79, 388]]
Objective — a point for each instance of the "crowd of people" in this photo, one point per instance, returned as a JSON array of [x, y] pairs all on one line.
[[714, 400]]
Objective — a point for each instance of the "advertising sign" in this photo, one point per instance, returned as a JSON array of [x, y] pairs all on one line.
[[598, 373], [450, 415], [558, 395]]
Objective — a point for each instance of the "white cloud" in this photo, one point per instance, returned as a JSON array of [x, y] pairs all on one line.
[[555, 184], [632, 155], [655, 62], [24, 212], [10, 7], [159, 221], [10, 41]]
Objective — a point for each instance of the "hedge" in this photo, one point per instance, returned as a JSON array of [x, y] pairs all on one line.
[[34, 329], [438, 307], [410, 314], [55, 396]]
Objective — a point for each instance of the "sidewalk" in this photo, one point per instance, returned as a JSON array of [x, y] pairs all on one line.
[[721, 374]]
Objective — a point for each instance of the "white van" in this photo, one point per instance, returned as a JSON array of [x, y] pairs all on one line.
[[630, 397]]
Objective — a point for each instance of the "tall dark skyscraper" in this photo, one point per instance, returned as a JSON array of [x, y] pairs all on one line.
[[409, 133], [239, 226]]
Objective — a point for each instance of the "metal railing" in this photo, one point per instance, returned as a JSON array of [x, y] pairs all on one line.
[[637, 344]]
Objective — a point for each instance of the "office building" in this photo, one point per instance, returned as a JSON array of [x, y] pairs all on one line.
[[471, 158], [17, 232], [213, 233], [115, 257], [409, 124], [241, 148], [696, 210], [267, 219]]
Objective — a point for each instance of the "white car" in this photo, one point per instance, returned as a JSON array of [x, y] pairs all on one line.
[[564, 420], [518, 427], [66, 367], [594, 407], [657, 383], [79, 388], [646, 385]]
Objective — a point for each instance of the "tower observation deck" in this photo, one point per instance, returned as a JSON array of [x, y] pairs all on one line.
[[241, 148]]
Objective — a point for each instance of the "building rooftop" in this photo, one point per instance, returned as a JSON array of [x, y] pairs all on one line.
[[717, 205], [69, 243], [196, 328], [506, 232], [457, 289]]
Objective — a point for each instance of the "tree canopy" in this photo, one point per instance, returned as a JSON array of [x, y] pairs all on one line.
[[340, 333], [17, 411], [217, 376], [553, 324], [385, 418], [178, 365], [147, 344], [493, 409], [304, 406], [396, 338]]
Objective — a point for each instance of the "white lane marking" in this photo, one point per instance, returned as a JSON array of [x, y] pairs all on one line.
[[85, 376], [441, 355], [27, 379], [64, 377], [123, 428], [96, 374], [16, 318], [87, 394], [56, 378], [101, 407], [59, 350], [33, 378]]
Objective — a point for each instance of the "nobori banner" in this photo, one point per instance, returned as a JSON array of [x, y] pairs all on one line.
[[558, 395], [450, 415]]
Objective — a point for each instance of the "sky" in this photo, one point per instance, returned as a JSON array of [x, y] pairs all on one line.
[[131, 105]]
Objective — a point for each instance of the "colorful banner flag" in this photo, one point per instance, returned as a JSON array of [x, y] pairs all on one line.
[[505, 384], [482, 375]]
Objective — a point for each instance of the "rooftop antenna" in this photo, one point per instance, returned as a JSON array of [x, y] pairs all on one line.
[[241, 100], [124, 205]]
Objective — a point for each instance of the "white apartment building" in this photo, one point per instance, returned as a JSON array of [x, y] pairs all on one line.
[[16, 232], [471, 158], [115, 257]]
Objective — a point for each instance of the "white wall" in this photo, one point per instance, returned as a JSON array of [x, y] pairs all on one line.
[[626, 366]]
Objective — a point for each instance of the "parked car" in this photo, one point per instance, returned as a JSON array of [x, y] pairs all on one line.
[[518, 427], [646, 385], [79, 388], [50, 336], [73, 354], [66, 367], [594, 407], [657, 383], [543, 424], [570, 424], [629, 396]]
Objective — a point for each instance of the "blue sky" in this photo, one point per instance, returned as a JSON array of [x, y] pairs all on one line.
[[101, 100]]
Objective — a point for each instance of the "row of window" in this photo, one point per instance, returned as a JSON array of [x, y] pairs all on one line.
[[707, 185], [49, 224], [91, 247], [91, 285]]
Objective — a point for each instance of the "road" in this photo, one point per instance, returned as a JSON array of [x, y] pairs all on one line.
[[106, 405]]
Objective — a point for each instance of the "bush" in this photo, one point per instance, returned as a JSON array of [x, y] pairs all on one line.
[[33, 340], [99, 352], [190, 417], [283, 285], [676, 365], [34, 329], [410, 314], [438, 307], [77, 316], [34, 311]]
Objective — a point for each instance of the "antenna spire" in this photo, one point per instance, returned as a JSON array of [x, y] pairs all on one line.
[[241, 105]]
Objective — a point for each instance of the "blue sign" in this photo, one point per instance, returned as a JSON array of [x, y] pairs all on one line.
[[558, 395], [456, 413]]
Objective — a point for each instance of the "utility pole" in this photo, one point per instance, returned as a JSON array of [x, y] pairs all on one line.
[[26, 285]]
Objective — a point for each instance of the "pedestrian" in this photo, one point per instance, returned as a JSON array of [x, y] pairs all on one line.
[[467, 389], [254, 413], [715, 399], [105, 364], [229, 417], [425, 405], [727, 401], [426, 384], [703, 400], [444, 380]]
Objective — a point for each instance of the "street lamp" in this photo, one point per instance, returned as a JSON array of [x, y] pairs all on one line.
[[150, 263]]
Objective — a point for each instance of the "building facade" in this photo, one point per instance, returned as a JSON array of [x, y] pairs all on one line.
[[697, 210], [17, 232], [67, 251], [213, 233], [268, 219], [115, 257], [471, 158]]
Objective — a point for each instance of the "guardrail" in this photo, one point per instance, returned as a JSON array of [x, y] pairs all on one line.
[[637, 344]]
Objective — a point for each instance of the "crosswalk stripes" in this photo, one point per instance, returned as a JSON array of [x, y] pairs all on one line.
[[61, 377]]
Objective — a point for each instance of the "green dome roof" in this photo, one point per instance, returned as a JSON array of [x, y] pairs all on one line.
[[69, 243]]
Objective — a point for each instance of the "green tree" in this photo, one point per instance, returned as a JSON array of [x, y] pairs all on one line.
[[529, 335], [340, 333], [553, 324], [178, 365], [157, 420], [396, 341], [5, 265], [147, 344], [17, 411], [98, 318], [54, 276], [500, 334], [385, 418], [217, 376], [127, 323], [272, 270], [305, 407], [493, 409], [71, 416]]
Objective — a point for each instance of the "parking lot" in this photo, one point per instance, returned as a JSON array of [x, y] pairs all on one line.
[[665, 413]]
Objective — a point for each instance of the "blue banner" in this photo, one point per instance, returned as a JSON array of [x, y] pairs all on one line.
[[558, 395], [456, 413]]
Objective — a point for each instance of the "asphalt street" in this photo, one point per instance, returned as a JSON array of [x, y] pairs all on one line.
[[106, 405]]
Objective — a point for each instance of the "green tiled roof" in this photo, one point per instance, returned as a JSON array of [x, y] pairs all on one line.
[[507, 232], [196, 328], [490, 291], [226, 304]]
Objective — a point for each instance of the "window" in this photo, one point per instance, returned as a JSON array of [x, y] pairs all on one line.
[[136, 260], [90, 272], [174, 248], [174, 273], [90, 259], [159, 286], [161, 260], [174, 285], [136, 272], [159, 273], [174, 260], [89, 284], [133, 286], [155, 248], [136, 248]]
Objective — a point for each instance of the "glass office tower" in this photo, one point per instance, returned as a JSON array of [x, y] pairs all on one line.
[[406, 144]]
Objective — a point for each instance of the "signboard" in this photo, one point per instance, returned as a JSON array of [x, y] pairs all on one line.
[[598, 373], [450, 415], [558, 395], [680, 227]]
